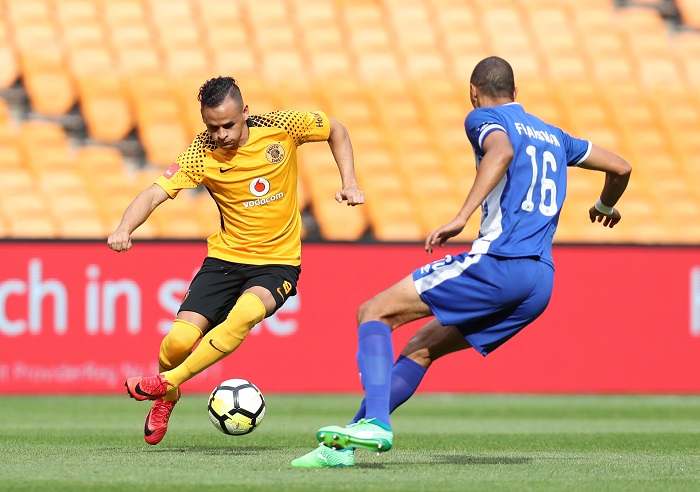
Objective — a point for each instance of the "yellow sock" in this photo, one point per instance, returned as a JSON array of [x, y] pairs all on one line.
[[175, 348], [221, 340]]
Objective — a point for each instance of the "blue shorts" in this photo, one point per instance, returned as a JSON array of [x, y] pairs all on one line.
[[489, 299]]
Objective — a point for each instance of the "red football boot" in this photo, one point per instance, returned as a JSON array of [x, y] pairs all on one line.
[[156, 424], [147, 388]]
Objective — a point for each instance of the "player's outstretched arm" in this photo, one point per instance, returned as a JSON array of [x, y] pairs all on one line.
[[498, 153], [617, 174], [136, 214], [341, 147]]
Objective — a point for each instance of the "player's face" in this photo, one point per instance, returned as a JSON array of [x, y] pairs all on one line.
[[227, 124]]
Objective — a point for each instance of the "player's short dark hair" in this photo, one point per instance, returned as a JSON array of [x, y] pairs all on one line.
[[215, 91], [494, 77]]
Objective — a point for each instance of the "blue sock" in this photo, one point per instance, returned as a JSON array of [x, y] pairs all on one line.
[[375, 355], [406, 375]]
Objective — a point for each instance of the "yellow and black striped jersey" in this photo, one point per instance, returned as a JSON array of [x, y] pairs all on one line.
[[255, 189]]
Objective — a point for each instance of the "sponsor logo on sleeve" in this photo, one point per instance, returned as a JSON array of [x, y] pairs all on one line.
[[170, 172]]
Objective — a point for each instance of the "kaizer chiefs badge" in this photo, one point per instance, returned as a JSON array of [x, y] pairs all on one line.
[[274, 153]]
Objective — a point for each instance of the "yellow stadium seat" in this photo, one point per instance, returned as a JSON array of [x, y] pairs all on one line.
[[72, 13], [66, 203], [134, 60], [660, 70], [61, 182], [135, 35], [92, 158], [686, 44], [82, 227], [557, 37], [637, 19], [27, 11], [207, 213], [178, 35], [23, 206], [561, 68], [394, 219], [176, 218], [88, 60], [229, 15], [173, 13], [147, 86], [11, 157], [37, 34], [338, 221], [9, 67], [85, 34], [612, 67], [690, 12], [105, 107], [278, 66], [123, 12], [687, 145], [592, 20], [32, 227], [44, 131], [54, 151], [230, 61], [163, 140], [17, 181], [51, 92], [190, 60]]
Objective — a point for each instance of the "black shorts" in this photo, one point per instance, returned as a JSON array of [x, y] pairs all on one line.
[[218, 284]]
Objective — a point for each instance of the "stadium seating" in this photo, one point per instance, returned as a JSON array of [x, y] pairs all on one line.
[[395, 72]]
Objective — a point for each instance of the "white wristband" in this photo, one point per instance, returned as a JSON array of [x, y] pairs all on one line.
[[603, 209]]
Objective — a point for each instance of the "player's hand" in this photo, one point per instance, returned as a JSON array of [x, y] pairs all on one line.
[[607, 220], [119, 241], [442, 234], [350, 194]]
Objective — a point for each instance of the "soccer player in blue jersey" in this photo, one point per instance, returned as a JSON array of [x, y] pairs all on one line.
[[483, 297]]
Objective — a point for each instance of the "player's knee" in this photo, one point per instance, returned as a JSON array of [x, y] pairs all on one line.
[[368, 311], [181, 339], [248, 311], [173, 346]]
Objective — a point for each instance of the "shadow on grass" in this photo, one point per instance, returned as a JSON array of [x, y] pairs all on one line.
[[458, 459], [213, 450], [453, 459], [208, 450]]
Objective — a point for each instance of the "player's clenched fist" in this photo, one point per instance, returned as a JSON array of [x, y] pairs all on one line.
[[352, 195], [119, 241]]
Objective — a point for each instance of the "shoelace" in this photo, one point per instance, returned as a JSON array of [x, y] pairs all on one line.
[[361, 421], [161, 412], [154, 385]]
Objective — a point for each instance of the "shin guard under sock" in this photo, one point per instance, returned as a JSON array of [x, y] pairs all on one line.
[[406, 375], [375, 355], [221, 340]]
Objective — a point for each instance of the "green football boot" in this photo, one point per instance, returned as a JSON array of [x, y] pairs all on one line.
[[323, 457], [362, 434]]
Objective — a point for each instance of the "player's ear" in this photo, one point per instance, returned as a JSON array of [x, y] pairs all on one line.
[[515, 94], [245, 112], [473, 94]]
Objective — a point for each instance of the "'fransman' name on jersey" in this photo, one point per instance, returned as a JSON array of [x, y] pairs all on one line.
[[538, 134]]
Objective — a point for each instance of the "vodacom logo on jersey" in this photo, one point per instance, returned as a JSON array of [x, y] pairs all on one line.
[[260, 187]]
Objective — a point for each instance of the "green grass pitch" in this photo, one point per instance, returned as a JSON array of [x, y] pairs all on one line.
[[442, 443]]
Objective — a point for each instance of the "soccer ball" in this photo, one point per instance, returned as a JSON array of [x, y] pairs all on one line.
[[236, 407]]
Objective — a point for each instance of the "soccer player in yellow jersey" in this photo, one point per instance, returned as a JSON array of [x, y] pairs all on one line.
[[248, 163]]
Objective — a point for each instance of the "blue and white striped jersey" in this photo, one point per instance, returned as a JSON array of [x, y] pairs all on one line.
[[520, 216]]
